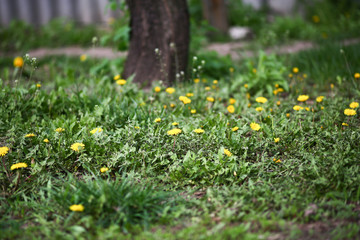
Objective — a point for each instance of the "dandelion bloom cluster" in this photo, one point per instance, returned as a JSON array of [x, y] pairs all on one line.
[[210, 99], [18, 165], [297, 108], [121, 82], [77, 208], [157, 120], [59, 130], [96, 130], [170, 90], [198, 131], [261, 100], [349, 112], [255, 126], [234, 129], [320, 98], [18, 62], [30, 135], [137, 127], [354, 105], [227, 152], [104, 169], [3, 151], [185, 100], [232, 101], [174, 132], [77, 147], [277, 160], [303, 98], [231, 109]]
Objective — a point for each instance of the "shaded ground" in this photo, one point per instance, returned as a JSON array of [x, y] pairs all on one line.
[[234, 49]]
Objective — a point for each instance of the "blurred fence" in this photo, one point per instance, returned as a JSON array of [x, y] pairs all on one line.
[[38, 12]]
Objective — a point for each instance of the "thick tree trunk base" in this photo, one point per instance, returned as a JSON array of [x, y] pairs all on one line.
[[161, 25]]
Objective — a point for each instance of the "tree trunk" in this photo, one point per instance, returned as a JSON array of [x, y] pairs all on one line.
[[215, 13], [161, 25]]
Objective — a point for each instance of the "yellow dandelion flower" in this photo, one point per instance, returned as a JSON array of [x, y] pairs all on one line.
[[215, 82], [207, 88], [231, 109], [246, 85], [3, 151], [170, 90], [172, 105], [276, 85], [349, 112], [18, 165], [59, 130], [288, 115], [249, 105], [121, 82], [137, 127], [332, 86], [174, 132], [303, 98], [165, 106], [185, 100], [322, 108], [297, 108], [190, 94], [278, 103], [210, 99], [315, 18], [354, 105], [276, 140], [254, 70], [196, 80], [198, 131], [307, 109], [290, 75], [234, 129], [30, 135], [96, 130], [193, 111], [248, 95], [157, 89], [77, 146], [157, 120], [83, 57], [259, 109], [231, 69], [304, 75], [18, 62], [227, 152], [204, 80], [295, 70], [117, 77], [77, 208], [46, 140], [232, 101], [345, 124], [104, 169], [357, 75], [261, 100], [320, 98], [255, 126], [38, 85], [175, 123]]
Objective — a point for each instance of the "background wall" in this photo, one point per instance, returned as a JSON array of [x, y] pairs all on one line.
[[39, 12]]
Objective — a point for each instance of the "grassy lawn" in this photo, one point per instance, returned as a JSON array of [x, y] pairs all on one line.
[[262, 148], [294, 175]]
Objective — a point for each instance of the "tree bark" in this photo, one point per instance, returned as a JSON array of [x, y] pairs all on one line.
[[215, 12], [162, 25]]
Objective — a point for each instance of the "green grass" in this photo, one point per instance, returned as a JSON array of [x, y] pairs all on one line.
[[160, 186]]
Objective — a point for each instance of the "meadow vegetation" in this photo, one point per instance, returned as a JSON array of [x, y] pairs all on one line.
[[263, 148]]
